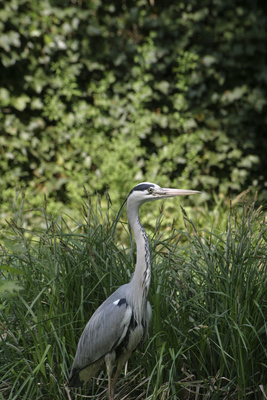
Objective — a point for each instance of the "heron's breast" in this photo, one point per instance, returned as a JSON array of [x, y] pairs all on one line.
[[135, 337], [132, 339]]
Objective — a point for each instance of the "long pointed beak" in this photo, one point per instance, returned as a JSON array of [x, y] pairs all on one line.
[[164, 192]]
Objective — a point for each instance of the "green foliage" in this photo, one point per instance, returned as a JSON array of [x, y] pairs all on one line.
[[107, 94], [212, 310], [208, 294]]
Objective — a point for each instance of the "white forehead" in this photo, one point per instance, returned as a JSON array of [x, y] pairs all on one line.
[[140, 194], [141, 191]]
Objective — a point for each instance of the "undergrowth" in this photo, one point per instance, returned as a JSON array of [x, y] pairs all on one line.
[[208, 337]]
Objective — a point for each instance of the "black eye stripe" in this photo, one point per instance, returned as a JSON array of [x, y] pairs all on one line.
[[142, 187]]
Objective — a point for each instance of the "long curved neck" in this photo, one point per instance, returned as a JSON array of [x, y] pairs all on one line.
[[141, 278]]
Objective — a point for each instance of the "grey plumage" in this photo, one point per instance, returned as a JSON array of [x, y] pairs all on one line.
[[121, 323], [114, 317]]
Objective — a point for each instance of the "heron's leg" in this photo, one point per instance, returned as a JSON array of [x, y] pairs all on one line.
[[110, 388], [120, 364], [113, 384], [110, 360]]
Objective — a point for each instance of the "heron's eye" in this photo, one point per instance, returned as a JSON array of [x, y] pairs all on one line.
[[150, 190]]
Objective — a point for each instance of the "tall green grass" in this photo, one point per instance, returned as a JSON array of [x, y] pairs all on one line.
[[208, 337]]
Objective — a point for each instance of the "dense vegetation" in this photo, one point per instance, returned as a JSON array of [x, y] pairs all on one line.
[[106, 94], [97, 95], [208, 337]]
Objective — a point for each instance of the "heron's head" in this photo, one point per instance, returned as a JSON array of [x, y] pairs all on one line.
[[147, 191]]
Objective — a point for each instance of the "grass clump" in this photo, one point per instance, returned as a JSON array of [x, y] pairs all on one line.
[[208, 336], [214, 317]]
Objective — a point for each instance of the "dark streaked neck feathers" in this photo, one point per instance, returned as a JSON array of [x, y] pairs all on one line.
[[139, 285]]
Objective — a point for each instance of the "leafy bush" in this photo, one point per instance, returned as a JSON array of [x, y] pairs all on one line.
[[107, 94]]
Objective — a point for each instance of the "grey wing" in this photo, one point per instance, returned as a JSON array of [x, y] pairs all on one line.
[[104, 331]]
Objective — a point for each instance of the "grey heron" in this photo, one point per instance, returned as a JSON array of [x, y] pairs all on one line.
[[121, 323]]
